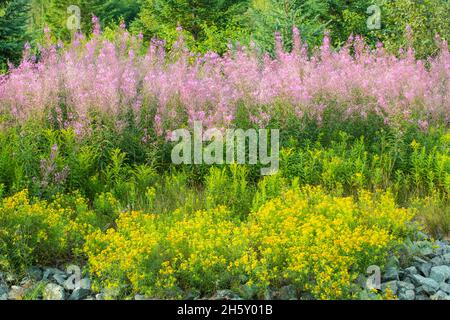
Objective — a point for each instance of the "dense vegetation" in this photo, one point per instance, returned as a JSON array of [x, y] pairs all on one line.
[[86, 119], [213, 25]]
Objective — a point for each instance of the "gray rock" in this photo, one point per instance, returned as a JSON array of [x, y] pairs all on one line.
[[429, 285], [48, 272], [446, 258], [287, 293], [79, 294], [440, 273], [225, 295], [422, 297], [418, 261], [140, 297], [407, 295], [445, 287], [411, 270], [403, 285], [437, 261], [425, 268], [70, 284], [53, 292], [16, 293], [440, 295], [35, 273], [392, 285], [60, 278], [3, 292], [391, 274], [99, 296]]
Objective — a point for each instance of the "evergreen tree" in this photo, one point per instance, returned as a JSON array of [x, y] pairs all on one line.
[[13, 30], [158, 17], [109, 11]]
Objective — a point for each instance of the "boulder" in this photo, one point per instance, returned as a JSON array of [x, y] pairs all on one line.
[[35, 273], [429, 285], [79, 294], [407, 295], [53, 292], [440, 295], [425, 268], [440, 273], [445, 287], [411, 270], [3, 292], [16, 293], [391, 274]]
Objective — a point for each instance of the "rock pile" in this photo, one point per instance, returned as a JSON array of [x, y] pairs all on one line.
[[427, 276], [46, 284]]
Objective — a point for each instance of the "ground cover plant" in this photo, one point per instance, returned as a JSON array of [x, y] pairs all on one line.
[[87, 175]]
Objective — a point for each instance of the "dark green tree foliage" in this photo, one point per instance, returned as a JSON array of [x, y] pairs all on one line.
[[160, 17], [265, 17], [109, 11], [13, 30]]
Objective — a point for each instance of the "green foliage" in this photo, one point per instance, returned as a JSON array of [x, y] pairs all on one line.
[[35, 232], [13, 30], [426, 18], [265, 17], [54, 14], [209, 24]]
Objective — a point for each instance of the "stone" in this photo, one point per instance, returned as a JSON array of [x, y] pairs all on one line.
[[60, 278], [70, 284], [407, 295], [437, 261], [440, 295], [392, 285], [422, 297], [53, 292], [79, 294], [391, 274], [16, 293], [3, 292], [445, 287], [429, 285], [403, 285], [225, 295], [411, 270], [425, 268], [99, 296], [440, 273], [35, 273], [446, 258], [140, 297], [48, 272], [287, 293]]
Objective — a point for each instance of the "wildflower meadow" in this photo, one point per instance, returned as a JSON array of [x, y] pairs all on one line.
[[248, 153]]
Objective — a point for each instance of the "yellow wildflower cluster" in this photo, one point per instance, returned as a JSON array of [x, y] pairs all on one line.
[[35, 232], [306, 238]]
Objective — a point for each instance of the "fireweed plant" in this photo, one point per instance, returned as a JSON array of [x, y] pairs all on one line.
[[96, 77], [86, 173]]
